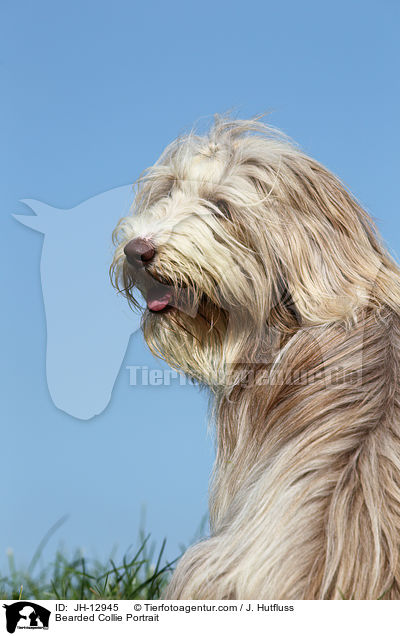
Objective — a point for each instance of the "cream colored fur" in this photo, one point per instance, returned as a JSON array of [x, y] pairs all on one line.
[[286, 304]]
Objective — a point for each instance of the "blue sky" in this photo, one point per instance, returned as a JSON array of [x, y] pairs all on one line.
[[92, 93]]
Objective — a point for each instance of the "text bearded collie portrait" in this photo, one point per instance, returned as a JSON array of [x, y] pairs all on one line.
[[266, 281]]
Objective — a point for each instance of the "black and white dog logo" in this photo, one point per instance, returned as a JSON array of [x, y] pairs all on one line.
[[26, 615]]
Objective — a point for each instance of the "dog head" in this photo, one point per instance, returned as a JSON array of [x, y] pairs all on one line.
[[236, 240]]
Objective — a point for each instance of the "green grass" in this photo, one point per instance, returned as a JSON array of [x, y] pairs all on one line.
[[141, 575]]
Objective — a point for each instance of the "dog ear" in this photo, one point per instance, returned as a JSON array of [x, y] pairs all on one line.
[[323, 252]]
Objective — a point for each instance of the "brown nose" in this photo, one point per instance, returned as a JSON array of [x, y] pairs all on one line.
[[139, 250]]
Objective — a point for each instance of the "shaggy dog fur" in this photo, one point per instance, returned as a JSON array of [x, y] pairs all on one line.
[[266, 281]]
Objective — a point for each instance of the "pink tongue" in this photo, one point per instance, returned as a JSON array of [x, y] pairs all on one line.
[[159, 303]]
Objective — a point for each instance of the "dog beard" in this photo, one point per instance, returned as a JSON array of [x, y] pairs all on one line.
[[183, 326]]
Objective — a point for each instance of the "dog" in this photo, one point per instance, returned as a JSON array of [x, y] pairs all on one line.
[[267, 282]]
